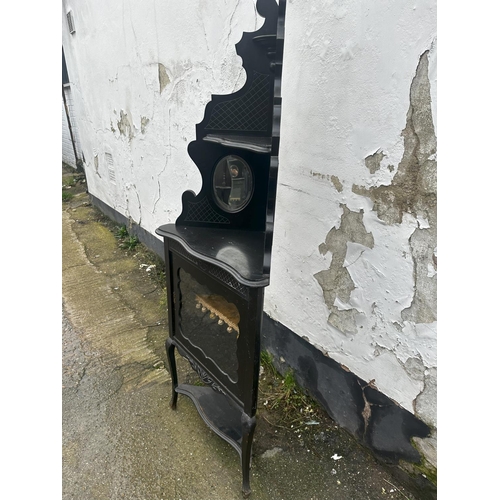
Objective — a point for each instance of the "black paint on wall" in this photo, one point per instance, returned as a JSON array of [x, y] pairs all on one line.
[[365, 412]]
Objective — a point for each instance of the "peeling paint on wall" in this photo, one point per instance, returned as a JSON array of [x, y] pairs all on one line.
[[125, 126], [413, 191], [332, 178], [380, 286], [144, 123], [426, 404], [163, 78], [336, 182], [336, 281], [372, 162]]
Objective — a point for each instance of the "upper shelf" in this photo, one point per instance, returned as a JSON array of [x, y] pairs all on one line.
[[255, 144], [241, 253], [267, 41]]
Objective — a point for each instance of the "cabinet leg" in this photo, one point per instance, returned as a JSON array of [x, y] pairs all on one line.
[[248, 428], [170, 348]]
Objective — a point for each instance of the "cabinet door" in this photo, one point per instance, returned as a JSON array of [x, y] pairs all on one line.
[[209, 319]]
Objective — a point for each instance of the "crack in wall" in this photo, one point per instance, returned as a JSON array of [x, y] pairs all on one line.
[[139, 207], [336, 281], [96, 165], [228, 37], [366, 413], [169, 155]]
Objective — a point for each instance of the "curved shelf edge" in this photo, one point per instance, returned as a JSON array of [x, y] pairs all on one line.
[[214, 407], [264, 281], [255, 144]]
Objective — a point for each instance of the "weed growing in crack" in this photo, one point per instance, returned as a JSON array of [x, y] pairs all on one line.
[[121, 232], [266, 361], [130, 242]]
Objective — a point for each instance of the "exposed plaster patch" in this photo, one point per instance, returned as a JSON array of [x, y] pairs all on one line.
[[124, 126], [336, 281], [428, 448], [372, 162], [163, 78], [144, 123], [426, 401], [426, 409], [423, 308], [415, 368], [335, 181], [332, 178], [413, 191]]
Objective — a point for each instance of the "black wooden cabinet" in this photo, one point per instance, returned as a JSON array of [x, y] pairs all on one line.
[[218, 253]]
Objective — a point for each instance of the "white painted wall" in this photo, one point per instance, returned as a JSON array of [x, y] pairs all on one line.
[[346, 84], [348, 69], [68, 153], [113, 61]]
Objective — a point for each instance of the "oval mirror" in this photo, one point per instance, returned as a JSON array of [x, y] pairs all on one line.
[[232, 183]]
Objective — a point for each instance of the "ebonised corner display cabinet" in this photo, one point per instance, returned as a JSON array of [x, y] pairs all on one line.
[[218, 253]]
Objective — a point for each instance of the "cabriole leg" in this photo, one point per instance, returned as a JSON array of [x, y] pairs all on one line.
[[170, 348], [248, 428]]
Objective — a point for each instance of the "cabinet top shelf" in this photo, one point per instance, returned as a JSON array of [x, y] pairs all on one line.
[[255, 144], [241, 253], [268, 41]]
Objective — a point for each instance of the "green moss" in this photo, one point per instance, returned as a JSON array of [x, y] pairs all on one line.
[[424, 467], [428, 470], [68, 181], [66, 196]]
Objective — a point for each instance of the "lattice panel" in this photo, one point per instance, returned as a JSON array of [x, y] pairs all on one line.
[[225, 277], [215, 271], [203, 212], [248, 113]]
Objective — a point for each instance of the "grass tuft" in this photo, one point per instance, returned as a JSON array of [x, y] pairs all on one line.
[[283, 398]]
